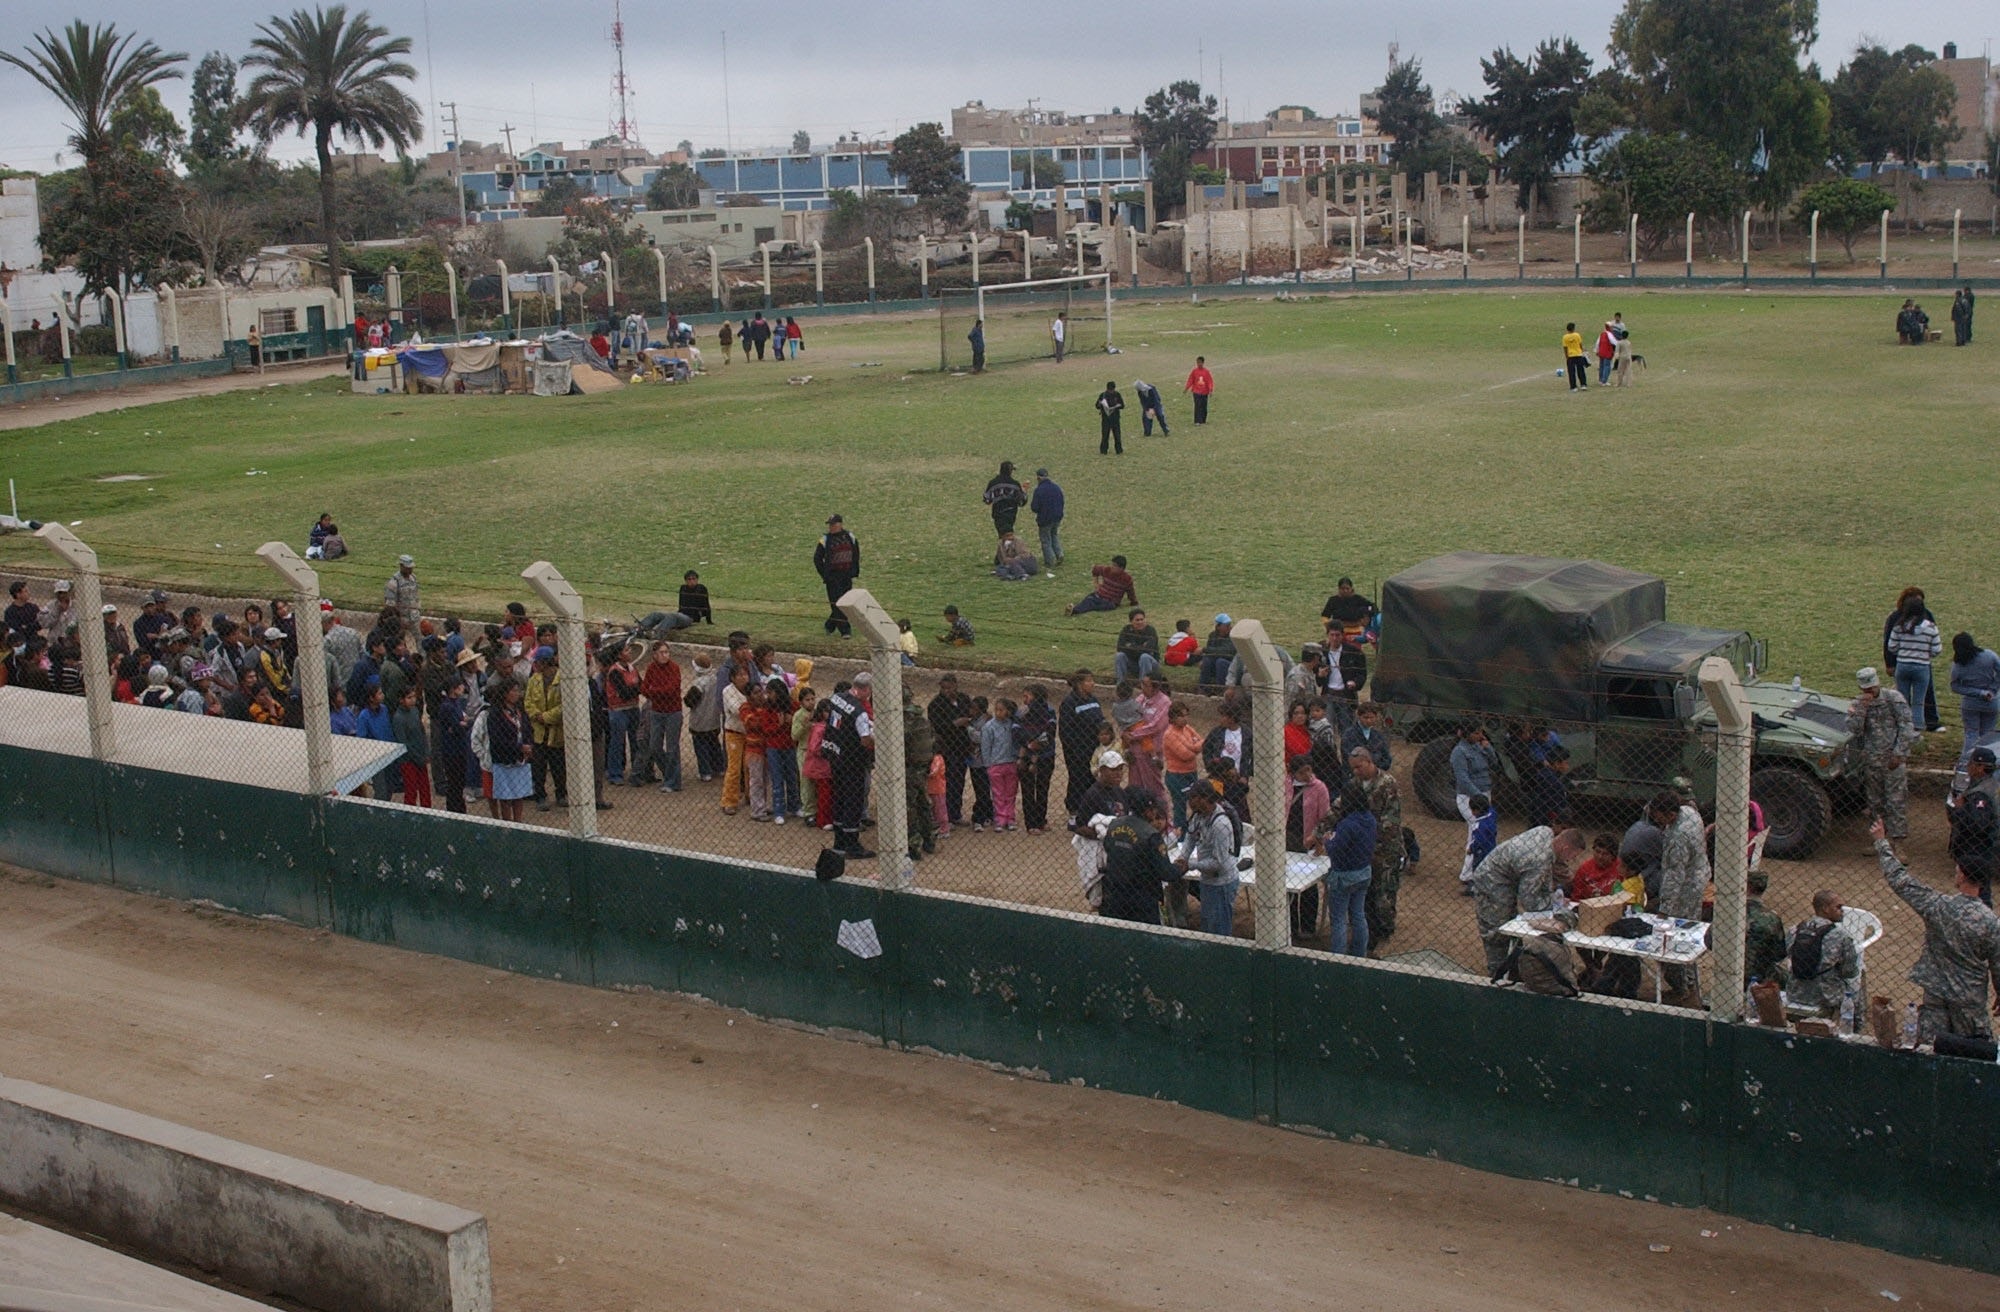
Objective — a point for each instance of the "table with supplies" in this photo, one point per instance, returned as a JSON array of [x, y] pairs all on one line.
[[1672, 943]]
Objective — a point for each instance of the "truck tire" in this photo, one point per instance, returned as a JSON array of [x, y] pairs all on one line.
[[1796, 807], [1432, 778]]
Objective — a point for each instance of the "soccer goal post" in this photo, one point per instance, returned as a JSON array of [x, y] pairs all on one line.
[[1018, 319]]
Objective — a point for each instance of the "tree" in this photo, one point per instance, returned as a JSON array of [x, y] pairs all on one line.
[[1530, 113], [853, 218], [116, 225], [934, 172], [1732, 74], [212, 114], [1846, 207], [1175, 124], [685, 147], [93, 72], [1305, 111], [322, 72], [216, 227], [675, 187], [1405, 112], [1855, 134], [802, 142], [1662, 179], [713, 152], [1038, 169], [143, 122], [1914, 111], [559, 196]]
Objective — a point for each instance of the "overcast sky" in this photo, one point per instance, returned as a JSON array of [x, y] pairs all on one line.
[[877, 66]]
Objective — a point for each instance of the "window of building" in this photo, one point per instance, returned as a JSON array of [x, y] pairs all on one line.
[[1270, 152], [272, 322]]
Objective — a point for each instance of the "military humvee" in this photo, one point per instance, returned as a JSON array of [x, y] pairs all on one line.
[[1585, 648]]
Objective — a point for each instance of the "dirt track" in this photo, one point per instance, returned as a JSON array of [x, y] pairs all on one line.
[[645, 1152]]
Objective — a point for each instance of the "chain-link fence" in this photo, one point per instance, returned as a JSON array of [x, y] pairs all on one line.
[[1453, 835]]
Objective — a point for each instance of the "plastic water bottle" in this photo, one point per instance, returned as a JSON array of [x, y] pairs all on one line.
[[1847, 1012], [1909, 1038], [1798, 683]]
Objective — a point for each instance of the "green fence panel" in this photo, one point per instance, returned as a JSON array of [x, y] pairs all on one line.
[[749, 937], [1503, 1080], [51, 816], [253, 850], [1850, 1141], [497, 894], [1164, 1015]]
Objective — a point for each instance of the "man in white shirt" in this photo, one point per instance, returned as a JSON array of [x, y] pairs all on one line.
[[1059, 333]]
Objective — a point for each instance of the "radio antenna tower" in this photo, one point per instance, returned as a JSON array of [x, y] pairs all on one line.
[[621, 86]]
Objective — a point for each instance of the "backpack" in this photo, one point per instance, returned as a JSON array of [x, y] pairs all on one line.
[[1807, 950], [1412, 853], [1541, 963], [1615, 976]]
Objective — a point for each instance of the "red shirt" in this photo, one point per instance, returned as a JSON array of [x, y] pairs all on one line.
[[1200, 381], [621, 688], [1595, 878], [764, 727], [1298, 742], [661, 685], [1113, 583]]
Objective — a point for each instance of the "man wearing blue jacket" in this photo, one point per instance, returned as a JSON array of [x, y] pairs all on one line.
[[1046, 504]]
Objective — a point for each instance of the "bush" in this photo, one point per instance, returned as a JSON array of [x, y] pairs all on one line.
[[96, 341]]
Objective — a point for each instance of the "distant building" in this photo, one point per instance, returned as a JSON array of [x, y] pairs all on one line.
[[1978, 107], [1293, 146]]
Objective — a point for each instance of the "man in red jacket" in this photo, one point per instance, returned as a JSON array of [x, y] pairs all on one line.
[[1202, 383], [660, 689]]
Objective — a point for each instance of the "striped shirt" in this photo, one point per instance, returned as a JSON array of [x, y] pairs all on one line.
[[1917, 644]]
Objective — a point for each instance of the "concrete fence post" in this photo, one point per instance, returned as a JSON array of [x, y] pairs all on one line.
[[1576, 258], [1882, 257], [764, 252], [556, 288], [885, 664], [1735, 734], [7, 327], [310, 672], [1812, 248], [1690, 246], [172, 327], [868, 243], [1521, 248], [1132, 236], [660, 267], [1746, 246], [924, 267], [1298, 249], [571, 670], [1267, 797], [506, 298], [451, 289], [1356, 235], [714, 280], [1957, 216], [1465, 243], [972, 244], [89, 634], [124, 361], [62, 331], [819, 274]]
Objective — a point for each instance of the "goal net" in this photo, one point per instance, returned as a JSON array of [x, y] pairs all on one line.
[[1017, 318]]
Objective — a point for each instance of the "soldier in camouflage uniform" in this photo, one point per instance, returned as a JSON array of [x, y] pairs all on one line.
[[1880, 724], [1386, 802], [1763, 936], [1519, 877], [1683, 871], [1961, 949], [919, 745]]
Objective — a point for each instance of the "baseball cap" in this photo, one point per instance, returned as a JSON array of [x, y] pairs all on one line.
[[545, 653], [325, 607], [835, 519], [406, 560], [274, 635], [110, 609], [1041, 473], [1223, 618], [62, 585], [1867, 677], [200, 672], [1111, 761], [156, 596], [1983, 756]]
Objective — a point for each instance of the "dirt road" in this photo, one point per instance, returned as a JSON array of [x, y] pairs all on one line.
[[644, 1151], [37, 413]]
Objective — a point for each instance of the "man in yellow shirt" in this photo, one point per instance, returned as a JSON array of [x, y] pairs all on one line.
[[1579, 368]]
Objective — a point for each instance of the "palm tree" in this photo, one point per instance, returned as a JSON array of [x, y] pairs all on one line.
[[322, 72], [92, 70]]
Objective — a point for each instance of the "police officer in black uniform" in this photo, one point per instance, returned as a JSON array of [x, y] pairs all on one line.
[[849, 745], [1136, 867], [838, 560]]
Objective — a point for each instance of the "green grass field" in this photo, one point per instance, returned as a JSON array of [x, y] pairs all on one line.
[[1780, 462]]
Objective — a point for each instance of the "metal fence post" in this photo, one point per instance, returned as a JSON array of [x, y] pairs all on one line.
[[89, 635], [1734, 735], [1267, 799], [310, 673], [556, 592], [885, 661]]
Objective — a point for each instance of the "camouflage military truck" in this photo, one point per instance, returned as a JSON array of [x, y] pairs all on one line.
[[1519, 643]]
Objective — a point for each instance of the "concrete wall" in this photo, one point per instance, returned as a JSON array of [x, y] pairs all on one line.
[[265, 1222], [47, 388], [1852, 1142]]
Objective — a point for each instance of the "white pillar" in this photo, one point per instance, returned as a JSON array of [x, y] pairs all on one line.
[[118, 311], [555, 286], [1882, 259], [90, 636], [610, 285], [1132, 235], [869, 242], [451, 286], [1632, 248], [714, 278], [764, 250], [924, 267], [1735, 736], [310, 671], [1956, 217], [506, 298], [819, 274], [1812, 246], [1521, 247], [1465, 241], [660, 268], [62, 322], [1577, 255], [1267, 797], [173, 324], [1690, 245], [971, 240], [572, 674], [1746, 245], [885, 660]]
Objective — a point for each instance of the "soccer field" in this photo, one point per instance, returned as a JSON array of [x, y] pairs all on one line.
[[1779, 461]]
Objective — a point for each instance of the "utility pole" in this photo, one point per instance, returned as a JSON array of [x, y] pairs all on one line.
[[457, 158], [507, 131]]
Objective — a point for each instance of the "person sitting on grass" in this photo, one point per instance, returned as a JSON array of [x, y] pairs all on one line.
[[906, 642], [1113, 587], [324, 541], [1012, 560], [957, 629], [1183, 647], [693, 601], [1138, 650]]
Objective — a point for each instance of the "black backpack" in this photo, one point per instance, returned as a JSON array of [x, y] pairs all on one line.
[[1807, 950], [1541, 963]]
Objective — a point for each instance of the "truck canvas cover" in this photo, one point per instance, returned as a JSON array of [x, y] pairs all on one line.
[[1507, 635]]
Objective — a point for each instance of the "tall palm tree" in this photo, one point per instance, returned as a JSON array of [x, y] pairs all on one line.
[[323, 72], [92, 70]]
